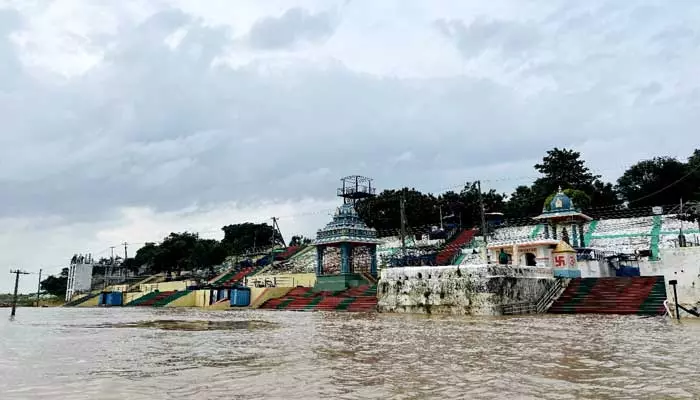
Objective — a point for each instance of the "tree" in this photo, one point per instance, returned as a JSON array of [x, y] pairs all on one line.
[[239, 238], [659, 181], [383, 212], [56, 285], [522, 203], [174, 252], [563, 168], [146, 255], [298, 240], [206, 254]]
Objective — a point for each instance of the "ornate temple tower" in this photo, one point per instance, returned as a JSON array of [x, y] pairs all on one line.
[[346, 248]]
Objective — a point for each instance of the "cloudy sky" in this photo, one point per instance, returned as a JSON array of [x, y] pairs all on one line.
[[125, 120]]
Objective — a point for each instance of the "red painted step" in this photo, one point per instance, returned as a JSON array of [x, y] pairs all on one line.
[[615, 295], [158, 297], [446, 255]]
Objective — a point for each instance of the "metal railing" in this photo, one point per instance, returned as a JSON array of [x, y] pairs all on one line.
[[538, 307]]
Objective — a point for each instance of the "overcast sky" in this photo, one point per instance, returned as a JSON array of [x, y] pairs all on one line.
[[126, 120]]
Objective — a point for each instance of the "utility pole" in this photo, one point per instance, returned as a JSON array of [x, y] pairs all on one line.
[[125, 253], [274, 234], [403, 225], [484, 233], [441, 217], [38, 288], [14, 298]]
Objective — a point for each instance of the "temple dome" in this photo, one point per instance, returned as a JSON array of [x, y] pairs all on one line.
[[561, 202], [346, 226]]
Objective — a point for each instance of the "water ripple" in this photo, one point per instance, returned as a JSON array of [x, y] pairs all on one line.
[[143, 353]]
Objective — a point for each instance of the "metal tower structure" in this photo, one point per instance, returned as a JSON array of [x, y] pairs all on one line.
[[356, 187]]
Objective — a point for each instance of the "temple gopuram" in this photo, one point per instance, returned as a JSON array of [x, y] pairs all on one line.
[[346, 248]]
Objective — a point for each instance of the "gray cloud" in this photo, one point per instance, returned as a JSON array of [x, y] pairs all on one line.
[[512, 39], [162, 127], [295, 26]]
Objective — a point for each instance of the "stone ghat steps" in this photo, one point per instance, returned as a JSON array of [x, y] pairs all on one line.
[[445, 255], [361, 298], [620, 295], [160, 296]]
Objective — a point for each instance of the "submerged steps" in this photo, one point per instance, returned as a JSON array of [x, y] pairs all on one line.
[[357, 299], [642, 295]]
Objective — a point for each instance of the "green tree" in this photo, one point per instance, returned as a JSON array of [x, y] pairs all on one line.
[[659, 181], [522, 203], [563, 168], [56, 285], [298, 240], [239, 238], [206, 254]]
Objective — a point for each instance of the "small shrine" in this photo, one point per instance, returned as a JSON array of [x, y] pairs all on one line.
[[562, 221], [564, 261], [346, 248]]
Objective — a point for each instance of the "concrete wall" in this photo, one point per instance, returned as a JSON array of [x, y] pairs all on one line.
[[681, 264], [459, 290], [595, 269]]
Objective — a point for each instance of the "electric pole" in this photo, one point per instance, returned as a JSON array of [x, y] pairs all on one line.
[[484, 233], [403, 225], [125, 253], [274, 234], [14, 298], [38, 288]]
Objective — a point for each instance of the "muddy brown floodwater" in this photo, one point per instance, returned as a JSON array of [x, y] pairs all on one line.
[[145, 353]]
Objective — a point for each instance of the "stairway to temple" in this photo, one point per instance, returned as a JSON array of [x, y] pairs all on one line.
[[640, 295], [446, 255], [357, 299]]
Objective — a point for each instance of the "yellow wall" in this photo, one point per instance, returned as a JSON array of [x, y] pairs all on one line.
[[284, 280], [89, 303], [131, 296], [261, 295], [166, 286], [189, 300], [201, 298], [222, 305]]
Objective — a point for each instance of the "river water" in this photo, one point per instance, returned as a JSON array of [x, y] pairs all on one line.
[[146, 353]]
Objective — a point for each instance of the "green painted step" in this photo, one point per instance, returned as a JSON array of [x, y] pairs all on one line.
[[171, 298], [284, 304], [141, 299], [343, 305], [225, 278], [313, 303], [584, 289]]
